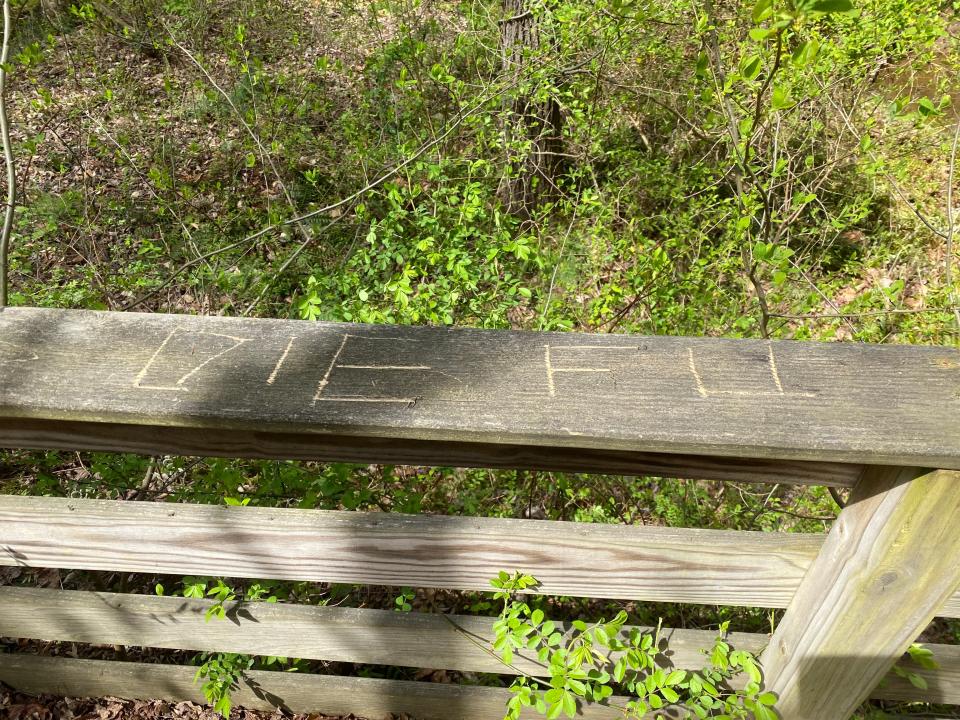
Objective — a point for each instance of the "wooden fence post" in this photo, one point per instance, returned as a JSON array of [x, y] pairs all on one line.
[[890, 561]]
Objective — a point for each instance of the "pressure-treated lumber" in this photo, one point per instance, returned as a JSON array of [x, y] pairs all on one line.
[[578, 559], [344, 695], [845, 403], [376, 637], [296, 692], [888, 564], [943, 683]]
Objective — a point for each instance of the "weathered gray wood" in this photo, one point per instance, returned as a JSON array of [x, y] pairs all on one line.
[[114, 437], [344, 695], [579, 559], [889, 563], [377, 637], [739, 398], [328, 694], [943, 683]]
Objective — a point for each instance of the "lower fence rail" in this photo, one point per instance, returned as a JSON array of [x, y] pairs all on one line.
[[338, 695]]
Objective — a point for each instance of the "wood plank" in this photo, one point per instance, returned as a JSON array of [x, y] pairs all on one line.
[[343, 695], [888, 564], [835, 402], [296, 692], [157, 440], [578, 559], [376, 637], [943, 683]]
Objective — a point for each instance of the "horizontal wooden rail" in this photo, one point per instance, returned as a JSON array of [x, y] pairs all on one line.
[[296, 692], [376, 637], [330, 694], [577, 559], [845, 403]]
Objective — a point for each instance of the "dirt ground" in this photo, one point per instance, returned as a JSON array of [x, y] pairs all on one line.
[[16, 706]]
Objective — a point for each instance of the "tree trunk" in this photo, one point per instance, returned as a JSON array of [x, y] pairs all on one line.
[[532, 130]]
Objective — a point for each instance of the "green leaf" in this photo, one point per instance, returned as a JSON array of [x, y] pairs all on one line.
[[762, 712], [926, 107], [923, 656], [767, 698], [762, 10], [829, 6], [750, 67], [719, 658], [806, 52], [781, 99], [703, 63]]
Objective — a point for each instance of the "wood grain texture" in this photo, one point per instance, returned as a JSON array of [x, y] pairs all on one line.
[[364, 697], [145, 440], [834, 402], [888, 564], [579, 559], [377, 637], [296, 692], [943, 684]]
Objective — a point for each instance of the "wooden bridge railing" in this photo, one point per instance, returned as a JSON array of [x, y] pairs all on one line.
[[866, 417]]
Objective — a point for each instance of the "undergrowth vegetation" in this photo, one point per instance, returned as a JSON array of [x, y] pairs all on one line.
[[742, 169]]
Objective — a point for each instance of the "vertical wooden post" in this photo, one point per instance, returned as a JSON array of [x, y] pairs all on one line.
[[891, 560]]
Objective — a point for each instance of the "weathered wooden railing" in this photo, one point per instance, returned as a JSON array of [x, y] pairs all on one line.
[[866, 417]]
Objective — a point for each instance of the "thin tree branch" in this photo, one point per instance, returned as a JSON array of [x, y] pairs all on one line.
[[867, 313], [246, 126], [7, 157], [948, 272]]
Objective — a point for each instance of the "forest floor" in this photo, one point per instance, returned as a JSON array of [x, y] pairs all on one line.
[[16, 706], [139, 187]]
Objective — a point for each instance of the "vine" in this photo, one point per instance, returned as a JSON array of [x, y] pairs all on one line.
[[587, 664]]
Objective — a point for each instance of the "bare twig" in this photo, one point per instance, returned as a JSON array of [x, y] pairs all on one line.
[[948, 272], [7, 157], [264, 154], [183, 268], [556, 268], [742, 161], [866, 313], [287, 263], [837, 498]]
